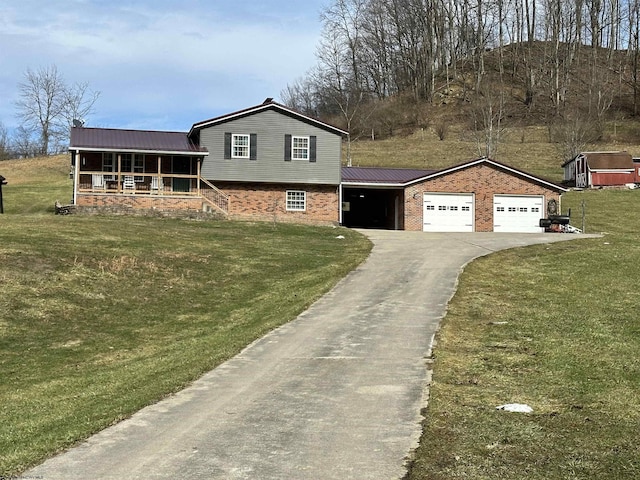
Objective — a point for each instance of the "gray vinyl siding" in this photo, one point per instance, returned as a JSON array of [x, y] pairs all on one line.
[[270, 166]]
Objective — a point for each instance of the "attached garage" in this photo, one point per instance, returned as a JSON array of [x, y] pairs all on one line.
[[448, 212], [517, 213], [477, 196]]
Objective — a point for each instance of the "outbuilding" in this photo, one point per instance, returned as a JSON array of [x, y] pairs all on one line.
[[602, 169], [477, 196]]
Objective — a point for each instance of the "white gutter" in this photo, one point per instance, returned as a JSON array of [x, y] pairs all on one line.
[[154, 152]]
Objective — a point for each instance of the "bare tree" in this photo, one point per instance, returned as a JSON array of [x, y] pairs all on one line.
[[24, 144], [488, 112], [4, 143], [47, 105], [78, 102]]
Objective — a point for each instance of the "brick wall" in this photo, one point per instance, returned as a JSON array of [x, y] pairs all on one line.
[[256, 201], [139, 202], [484, 181]]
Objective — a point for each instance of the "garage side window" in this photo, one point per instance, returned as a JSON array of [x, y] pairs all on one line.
[[296, 200]]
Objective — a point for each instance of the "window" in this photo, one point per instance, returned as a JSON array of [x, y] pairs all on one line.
[[300, 148], [133, 164], [239, 146], [108, 165], [296, 201]]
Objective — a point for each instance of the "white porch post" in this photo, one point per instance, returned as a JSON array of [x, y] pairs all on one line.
[[76, 176], [340, 204], [160, 181], [198, 163]]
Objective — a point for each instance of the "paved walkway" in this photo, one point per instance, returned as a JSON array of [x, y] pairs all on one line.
[[335, 394]]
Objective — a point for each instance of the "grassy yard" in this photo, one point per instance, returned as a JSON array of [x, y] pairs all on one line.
[[100, 316], [526, 148], [553, 326]]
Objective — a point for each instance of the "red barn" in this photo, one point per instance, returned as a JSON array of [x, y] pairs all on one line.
[[600, 169]]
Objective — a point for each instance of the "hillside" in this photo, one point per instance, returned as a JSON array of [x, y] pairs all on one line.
[[527, 148]]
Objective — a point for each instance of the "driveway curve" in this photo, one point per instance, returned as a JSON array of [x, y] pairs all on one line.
[[335, 394]]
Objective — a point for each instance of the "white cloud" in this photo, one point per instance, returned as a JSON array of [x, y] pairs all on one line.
[[154, 58]]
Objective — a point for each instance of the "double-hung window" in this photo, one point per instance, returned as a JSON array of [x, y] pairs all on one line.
[[109, 165], [300, 148], [296, 200], [239, 146]]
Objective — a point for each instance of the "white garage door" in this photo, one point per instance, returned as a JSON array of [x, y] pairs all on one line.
[[444, 212], [517, 213]]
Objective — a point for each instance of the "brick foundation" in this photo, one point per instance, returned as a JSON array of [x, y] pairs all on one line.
[[484, 181], [154, 202], [268, 202]]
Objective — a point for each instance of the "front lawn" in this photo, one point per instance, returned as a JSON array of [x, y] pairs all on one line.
[[100, 316], [552, 326]]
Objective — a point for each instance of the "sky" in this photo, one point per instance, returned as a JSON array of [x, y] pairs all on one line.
[[159, 64]]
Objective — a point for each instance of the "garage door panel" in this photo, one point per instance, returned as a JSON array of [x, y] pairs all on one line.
[[517, 213], [448, 212]]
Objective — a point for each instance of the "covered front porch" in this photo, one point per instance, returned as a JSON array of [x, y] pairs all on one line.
[[117, 173], [140, 169]]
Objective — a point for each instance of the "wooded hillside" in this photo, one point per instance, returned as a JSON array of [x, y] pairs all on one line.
[[388, 66]]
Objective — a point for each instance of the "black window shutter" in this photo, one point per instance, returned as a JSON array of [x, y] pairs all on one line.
[[287, 148], [253, 146], [312, 148], [227, 145]]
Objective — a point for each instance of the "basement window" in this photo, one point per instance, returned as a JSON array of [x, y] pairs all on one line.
[[296, 201]]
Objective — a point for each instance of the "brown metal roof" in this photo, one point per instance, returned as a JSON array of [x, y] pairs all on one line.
[[403, 177], [382, 175], [132, 140], [609, 160]]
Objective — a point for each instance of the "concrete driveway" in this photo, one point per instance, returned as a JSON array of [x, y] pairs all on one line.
[[335, 394]]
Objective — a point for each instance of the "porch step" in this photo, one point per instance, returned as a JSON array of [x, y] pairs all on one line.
[[214, 199]]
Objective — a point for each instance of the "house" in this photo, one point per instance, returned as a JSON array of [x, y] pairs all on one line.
[[268, 162], [599, 169], [263, 162], [477, 196]]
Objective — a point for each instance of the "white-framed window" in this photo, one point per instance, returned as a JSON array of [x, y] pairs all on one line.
[[300, 148], [240, 146], [108, 165], [296, 200], [133, 164]]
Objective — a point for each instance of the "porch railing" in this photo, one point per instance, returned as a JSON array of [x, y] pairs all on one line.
[[137, 183], [214, 196]]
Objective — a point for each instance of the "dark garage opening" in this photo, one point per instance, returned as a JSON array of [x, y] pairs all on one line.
[[373, 208]]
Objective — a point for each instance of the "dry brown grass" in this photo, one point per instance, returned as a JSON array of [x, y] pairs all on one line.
[[38, 169], [526, 148]]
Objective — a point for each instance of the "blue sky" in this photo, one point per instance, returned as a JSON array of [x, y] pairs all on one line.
[[160, 64]]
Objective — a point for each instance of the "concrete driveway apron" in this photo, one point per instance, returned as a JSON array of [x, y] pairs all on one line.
[[335, 394]]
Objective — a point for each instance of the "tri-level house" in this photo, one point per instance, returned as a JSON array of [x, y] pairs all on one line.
[[263, 162]]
